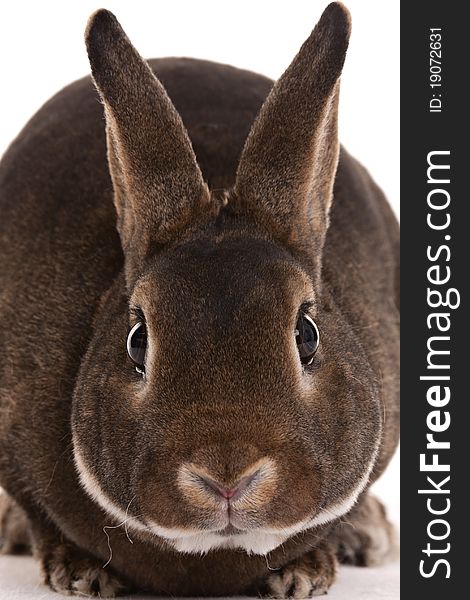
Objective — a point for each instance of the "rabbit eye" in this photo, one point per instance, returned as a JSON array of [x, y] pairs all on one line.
[[307, 338], [137, 346]]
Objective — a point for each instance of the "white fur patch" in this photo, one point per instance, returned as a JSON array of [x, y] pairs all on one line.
[[256, 541]]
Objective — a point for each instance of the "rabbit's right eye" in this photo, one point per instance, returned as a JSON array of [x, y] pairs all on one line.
[[137, 346]]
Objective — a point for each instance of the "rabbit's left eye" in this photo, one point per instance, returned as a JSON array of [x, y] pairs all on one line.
[[307, 338], [137, 346]]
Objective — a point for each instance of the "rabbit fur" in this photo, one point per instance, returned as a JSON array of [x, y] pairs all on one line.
[[215, 207]]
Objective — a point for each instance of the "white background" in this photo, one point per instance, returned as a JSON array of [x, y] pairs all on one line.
[[42, 49]]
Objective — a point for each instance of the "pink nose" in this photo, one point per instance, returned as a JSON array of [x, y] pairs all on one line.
[[227, 492]]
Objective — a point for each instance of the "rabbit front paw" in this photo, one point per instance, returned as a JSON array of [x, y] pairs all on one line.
[[310, 575], [67, 571]]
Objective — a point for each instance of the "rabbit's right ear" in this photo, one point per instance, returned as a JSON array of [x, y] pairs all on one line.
[[157, 182], [287, 168]]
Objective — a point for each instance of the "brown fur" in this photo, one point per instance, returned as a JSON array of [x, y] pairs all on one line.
[[220, 278]]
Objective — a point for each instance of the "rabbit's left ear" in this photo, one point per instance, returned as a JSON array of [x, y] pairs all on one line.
[[288, 165], [158, 184]]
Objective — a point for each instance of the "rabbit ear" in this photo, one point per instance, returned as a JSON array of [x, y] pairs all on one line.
[[287, 168], [157, 181]]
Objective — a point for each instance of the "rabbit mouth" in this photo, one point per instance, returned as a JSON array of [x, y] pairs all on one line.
[[230, 530]]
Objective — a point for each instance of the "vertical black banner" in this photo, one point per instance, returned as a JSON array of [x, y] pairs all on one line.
[[435, 323]]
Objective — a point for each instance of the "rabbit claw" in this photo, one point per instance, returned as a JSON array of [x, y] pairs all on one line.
[[310, 575], [69, 572]]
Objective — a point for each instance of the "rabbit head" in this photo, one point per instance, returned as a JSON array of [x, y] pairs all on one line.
[[236, 426]]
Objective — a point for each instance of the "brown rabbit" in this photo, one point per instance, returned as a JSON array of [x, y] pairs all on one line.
[[250, 267]]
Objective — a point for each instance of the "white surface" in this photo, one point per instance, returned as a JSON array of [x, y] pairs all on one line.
[[19, 580], [42, 50], [387, 488]]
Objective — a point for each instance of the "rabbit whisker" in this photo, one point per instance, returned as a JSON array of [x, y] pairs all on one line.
[[106, 527], [269, 566]]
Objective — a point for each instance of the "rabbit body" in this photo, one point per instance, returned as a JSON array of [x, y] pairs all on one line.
[[65, 279]]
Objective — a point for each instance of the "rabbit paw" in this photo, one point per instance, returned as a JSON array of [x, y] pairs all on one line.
[[14, 528], [366, 537], [310, 575], [69, 572]]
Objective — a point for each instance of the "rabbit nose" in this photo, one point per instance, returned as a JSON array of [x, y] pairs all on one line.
[[228, 492], [254, 485]]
